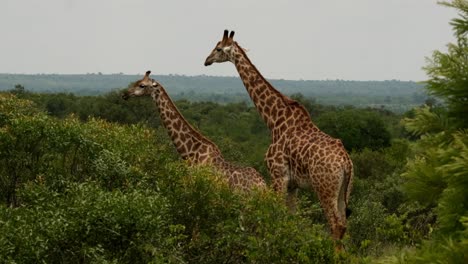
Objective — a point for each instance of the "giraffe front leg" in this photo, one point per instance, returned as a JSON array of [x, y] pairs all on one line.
[[279, 172]]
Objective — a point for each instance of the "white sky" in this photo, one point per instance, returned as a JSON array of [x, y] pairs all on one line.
[[286, 39]]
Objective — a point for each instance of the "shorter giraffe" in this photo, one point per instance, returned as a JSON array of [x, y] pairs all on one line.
[[191, 144]]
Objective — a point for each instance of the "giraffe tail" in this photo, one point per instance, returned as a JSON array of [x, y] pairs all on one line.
[[348, 212], [349, 173]]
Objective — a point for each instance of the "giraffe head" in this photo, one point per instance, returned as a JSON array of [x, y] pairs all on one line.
[[223, 50], [142, 87]]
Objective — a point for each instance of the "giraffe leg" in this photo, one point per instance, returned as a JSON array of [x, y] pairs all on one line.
[[279, 173], [335, 219], [279, 183], [291, 199]]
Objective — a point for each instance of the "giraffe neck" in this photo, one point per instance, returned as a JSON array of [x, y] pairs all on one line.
[[273, 106], [185, 138]]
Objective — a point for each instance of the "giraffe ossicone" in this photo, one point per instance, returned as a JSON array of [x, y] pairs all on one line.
[[300, 155], [190, 143]]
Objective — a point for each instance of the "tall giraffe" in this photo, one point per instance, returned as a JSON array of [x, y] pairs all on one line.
[[190, 143], [300, 155]]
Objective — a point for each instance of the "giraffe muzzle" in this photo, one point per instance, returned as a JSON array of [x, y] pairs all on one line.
[[208, 61]]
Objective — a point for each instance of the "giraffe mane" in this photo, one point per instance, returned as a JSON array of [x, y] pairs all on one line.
[[288, 101]]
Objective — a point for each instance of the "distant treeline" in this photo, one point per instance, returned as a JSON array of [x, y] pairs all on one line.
[[392, 95]]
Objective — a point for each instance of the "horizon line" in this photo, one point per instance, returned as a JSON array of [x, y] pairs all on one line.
[[216, 76]]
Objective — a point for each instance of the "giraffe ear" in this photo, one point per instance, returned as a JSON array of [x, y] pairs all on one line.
[[154, 84], [227, 48]]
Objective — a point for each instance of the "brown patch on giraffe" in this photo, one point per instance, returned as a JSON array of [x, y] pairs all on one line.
[[195, 146], [177, 125], [257, 93], [203, 148], [269, 101], [274, 112], [280, 121], [283, 127]]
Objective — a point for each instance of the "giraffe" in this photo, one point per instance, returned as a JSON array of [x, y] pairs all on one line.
[[191, 144], [300, 155]]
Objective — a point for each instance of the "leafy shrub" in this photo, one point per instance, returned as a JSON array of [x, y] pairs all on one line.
[[367, 217], [36, 147], [378, 218], [86, 224], [357, 128], [251, 227], [82, 192]]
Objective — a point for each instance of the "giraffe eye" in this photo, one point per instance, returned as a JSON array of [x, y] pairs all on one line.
[[142, 86], [219, 49]]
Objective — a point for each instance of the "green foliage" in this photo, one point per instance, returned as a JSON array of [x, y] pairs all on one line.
[[448, 71], [445, 250], [97, 192], [244, 143], [36, 147], [428, 121], [394, 95], [453, 203], [437, 176], [363, 226], [206, 221], [358, 129], [253, 228], [86, 224], [377, 174]]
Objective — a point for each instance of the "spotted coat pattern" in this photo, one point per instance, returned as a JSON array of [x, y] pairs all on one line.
[[191, 144], [300, 155]]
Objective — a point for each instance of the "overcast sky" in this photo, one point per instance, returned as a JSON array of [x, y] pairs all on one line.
[[290, 39]]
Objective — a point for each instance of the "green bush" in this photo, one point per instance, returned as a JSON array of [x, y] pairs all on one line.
[[87, 224], [357, 128], [255, 227], [36, 147], [98, 192]]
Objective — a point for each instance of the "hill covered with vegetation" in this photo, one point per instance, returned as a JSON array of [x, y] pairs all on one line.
[[392, 95]]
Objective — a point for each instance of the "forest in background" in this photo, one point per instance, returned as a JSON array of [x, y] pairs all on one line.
[[394, 95], [95, 179]]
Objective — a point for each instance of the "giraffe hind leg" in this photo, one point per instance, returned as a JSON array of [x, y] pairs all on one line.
[[343, 211], [331, 213], [291, 199], [335, 213]]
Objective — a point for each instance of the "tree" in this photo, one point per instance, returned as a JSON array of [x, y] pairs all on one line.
[[437, 176], [357, 128], [448, 72]]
